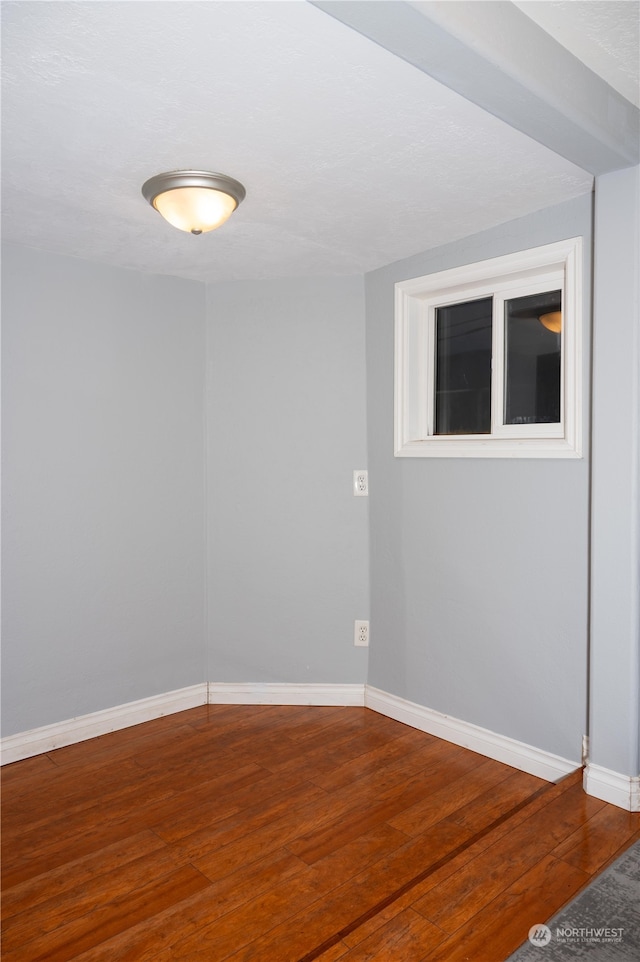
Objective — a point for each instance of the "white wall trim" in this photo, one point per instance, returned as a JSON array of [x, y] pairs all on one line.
[[256, 693], [524, 757], [551, 267], [13, 748], [37, 741], [612, 787]]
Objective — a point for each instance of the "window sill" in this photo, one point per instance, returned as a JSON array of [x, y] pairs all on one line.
[[489, 447]]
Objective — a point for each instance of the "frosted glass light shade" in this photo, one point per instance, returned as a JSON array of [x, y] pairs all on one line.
[[195, 201], [195, 209], [552, 321]]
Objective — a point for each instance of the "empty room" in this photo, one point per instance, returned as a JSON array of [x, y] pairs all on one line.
[[320, 481]]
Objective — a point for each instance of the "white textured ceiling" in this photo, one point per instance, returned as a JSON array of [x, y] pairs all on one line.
[[602, 33], [351, 157]]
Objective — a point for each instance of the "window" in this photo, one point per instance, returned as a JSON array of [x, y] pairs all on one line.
[[488, 358]]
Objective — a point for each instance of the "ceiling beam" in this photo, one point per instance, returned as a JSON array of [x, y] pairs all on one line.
[[495, 56]]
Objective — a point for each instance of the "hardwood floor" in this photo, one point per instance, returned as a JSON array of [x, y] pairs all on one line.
[[288, 834]]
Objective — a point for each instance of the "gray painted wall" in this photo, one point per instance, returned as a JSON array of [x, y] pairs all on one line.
[[288, 543], [615, 653], [103, 379], [479, 568]]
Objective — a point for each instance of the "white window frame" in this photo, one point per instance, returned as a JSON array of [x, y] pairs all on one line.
[[551, 267]]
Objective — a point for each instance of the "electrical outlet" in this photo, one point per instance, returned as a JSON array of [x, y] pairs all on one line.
[[361, 484], [361, 636]]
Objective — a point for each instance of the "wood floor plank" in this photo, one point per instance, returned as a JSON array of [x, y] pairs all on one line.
[[240, 932], [195, 754], [475, 817], [323, 759], [67, 941], [72, 832], [594, 842], [46, 854], [367, 853], [49, 796], [221, 719], [359, 854], [56, 790], [251, 730], [358, 812], [163, 797], [405, 937], [97, 753], [172, 754], [256, 830], [336, 952], [338, 907], [329, 720], [378, 920], [279, 746], [305, 821], [19, 777], [29, 894], [197, 914], [201, 811], [351, 823], [61, 908], [273, 744], [538, 801], [287, 833], [64, 839], [402, 783], [544, 798], [621, 850], [500, 797], [457, 866], [464, 894], [369, 762], [399, 777], [213, 795], [470, 776], [502, 926]]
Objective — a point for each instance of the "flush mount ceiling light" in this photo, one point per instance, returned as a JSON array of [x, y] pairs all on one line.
[[552, 321], [195, 201]]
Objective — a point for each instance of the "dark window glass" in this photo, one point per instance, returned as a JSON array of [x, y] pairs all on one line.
[[463, 368], [532, 359]]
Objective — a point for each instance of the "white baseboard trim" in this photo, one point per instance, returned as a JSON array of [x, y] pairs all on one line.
[[524, 757], [612, 787], [13, 748], [256, 693]]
